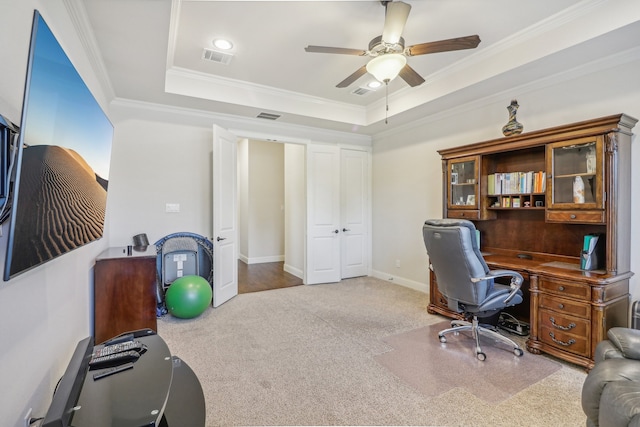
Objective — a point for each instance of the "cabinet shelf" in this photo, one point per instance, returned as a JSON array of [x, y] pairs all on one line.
[[573, 175], [521, 208], [516, 195], [514, 201]]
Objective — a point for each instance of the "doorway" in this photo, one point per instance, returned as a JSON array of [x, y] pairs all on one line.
[[270, 215]]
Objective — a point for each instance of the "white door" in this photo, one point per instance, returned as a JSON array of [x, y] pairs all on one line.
[[323, 214], [225, 208], [354, 205]]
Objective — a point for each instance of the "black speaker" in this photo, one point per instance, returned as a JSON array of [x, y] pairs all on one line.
[[140, 242]]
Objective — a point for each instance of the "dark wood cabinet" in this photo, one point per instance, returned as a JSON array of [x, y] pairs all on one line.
[[563, 183], [124, 292]]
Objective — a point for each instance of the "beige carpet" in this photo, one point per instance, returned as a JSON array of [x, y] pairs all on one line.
[[312, 355]]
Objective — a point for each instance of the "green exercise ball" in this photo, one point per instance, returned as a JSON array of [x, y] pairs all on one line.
[[188, 296]]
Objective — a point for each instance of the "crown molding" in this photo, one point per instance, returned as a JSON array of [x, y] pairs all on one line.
[[186, 82], [78, 15], [592, 67], [125, 109]]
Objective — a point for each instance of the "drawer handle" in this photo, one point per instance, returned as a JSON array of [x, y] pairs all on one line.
[[561, 288], [573, 216], [557, 341], [562, 328]]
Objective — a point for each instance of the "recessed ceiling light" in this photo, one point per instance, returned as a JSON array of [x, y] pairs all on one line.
[[374, 84], [222, 44]]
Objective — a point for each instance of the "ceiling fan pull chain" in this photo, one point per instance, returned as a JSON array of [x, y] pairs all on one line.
[[386, 113]]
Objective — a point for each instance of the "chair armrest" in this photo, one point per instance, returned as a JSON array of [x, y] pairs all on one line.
[[606, 372], [516, 281], [627, 340]]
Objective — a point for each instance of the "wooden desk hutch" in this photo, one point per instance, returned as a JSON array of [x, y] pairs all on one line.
[[537, 228]]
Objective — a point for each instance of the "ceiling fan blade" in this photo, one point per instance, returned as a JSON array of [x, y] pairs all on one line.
[[353, 77], [395, 18], [458, 43], [339, 50], [410, 76]]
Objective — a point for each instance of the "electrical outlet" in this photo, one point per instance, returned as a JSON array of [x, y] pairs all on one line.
[[27, 418]]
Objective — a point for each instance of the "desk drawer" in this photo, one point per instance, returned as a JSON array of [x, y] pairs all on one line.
[[575, 339], [463, 214], [579, 217], [565, 306], [567, 324], [564, 341], [566, 289]]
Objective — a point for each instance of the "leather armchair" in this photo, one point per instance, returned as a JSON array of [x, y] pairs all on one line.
[[611, 391]]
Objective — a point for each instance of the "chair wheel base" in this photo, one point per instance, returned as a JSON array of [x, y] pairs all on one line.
[[481, 356], [442, 338]]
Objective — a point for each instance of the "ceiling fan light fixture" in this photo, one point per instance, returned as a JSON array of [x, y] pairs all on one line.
[[222, 44], [386, 67]]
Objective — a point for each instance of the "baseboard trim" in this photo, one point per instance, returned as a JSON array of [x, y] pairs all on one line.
[[408, 283], [294, 271], [261, 260]]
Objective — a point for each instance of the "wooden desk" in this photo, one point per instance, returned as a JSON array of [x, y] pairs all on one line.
[[538, 194], [124, 292], [569, 310]]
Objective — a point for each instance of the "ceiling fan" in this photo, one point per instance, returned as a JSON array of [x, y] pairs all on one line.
[[389, 52]]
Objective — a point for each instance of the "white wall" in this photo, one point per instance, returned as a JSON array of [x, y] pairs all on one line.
[[155, 162], [243, 198], [407, 182], [295, 209], [265, 206], [46, 311]]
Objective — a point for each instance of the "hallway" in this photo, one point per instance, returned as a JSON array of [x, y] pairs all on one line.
[[264, 277]]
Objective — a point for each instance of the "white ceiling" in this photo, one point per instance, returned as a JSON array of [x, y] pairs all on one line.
[[150, 51]]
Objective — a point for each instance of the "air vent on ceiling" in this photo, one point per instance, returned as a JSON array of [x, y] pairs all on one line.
[[268, 116], [362, 91], [215, 56]]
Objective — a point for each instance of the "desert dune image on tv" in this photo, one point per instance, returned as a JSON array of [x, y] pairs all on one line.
[[60, 192]]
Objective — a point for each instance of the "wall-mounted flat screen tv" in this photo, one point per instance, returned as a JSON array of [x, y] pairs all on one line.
[[62, 169]]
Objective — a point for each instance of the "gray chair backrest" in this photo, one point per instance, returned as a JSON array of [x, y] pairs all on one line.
[[456, 259], [197, 249]]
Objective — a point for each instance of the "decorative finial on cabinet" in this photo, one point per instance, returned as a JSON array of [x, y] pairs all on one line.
[[512, 127]]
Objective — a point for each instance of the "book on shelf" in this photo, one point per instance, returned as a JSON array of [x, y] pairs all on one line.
[[516, 182]]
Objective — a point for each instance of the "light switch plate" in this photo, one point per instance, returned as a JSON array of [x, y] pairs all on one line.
[[172, 207]]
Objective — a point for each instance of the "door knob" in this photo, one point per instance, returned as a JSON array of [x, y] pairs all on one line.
[[220, 238], [346, 229], [336, 231]]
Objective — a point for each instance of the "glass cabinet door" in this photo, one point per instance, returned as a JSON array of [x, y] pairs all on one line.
[[574, 172], [463, 183]]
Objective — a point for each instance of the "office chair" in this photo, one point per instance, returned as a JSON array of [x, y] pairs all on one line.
[[465, 280], [182, 254]]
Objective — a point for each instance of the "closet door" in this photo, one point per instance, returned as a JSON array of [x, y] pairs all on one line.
[[323, 214], [355, 213]]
